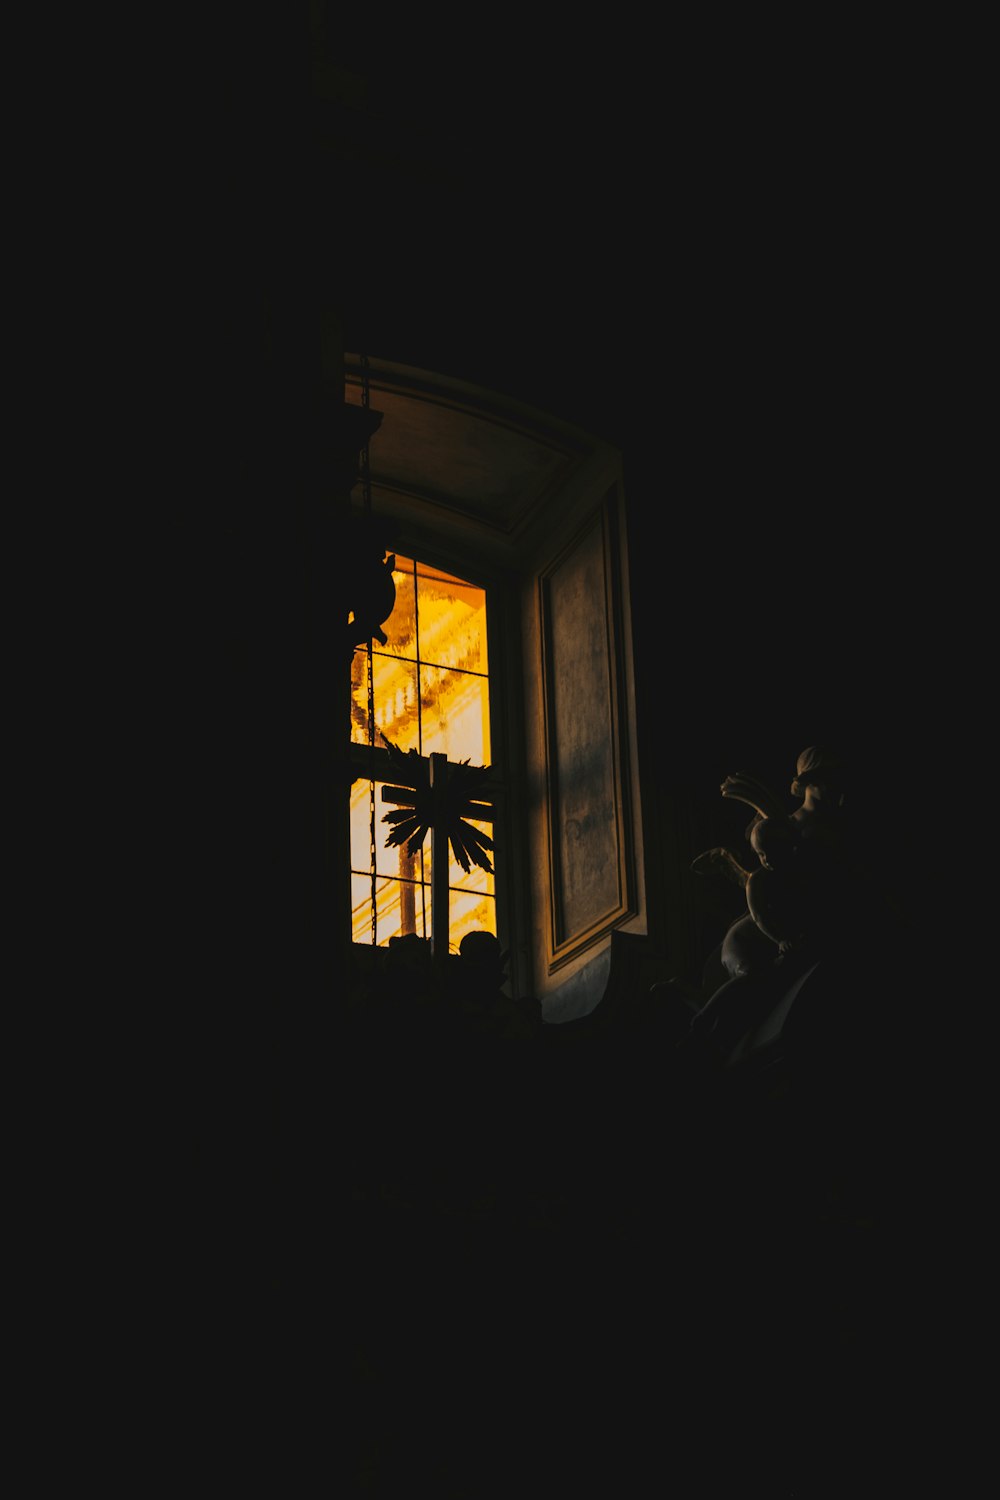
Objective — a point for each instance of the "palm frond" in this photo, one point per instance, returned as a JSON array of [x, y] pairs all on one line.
[[464, 798]]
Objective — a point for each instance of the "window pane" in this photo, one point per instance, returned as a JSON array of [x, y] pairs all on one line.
[[401, 908], [406, 907], [455, 715], [396, 709], [391, 861], [452, 620], [359, 696], [468, 912], [361, 908], [477, 878]]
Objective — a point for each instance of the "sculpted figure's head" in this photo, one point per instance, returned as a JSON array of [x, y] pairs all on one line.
[[820, 776]]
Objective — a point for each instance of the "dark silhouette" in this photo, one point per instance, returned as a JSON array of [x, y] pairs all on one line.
[[371, 589], [807, 896]]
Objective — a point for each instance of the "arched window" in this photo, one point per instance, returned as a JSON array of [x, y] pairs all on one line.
[[509, 647]]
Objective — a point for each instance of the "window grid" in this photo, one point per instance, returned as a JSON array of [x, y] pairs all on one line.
[[401, 901]]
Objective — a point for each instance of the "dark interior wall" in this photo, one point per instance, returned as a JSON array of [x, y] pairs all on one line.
[[788, 622]]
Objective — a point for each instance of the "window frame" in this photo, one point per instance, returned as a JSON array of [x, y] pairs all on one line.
[[484, 487], [372, 762]]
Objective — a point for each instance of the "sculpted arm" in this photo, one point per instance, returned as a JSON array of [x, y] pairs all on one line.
[[743, 787], [721, 862]]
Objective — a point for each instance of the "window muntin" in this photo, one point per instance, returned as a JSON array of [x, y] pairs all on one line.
[[430, 693]]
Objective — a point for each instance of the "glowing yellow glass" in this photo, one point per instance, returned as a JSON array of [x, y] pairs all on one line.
[[397, 711], [403, 891], [430, 688], [455, 715], [451, 620], [475, 878], [401, 626], [400, 907], [431, 694], [469, 913]]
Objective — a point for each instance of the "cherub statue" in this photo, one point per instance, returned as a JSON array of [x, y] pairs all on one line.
[[800, 893], [796, 892]]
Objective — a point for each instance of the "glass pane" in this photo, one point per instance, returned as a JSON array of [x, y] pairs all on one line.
[[401, 626], [389, 861], [360, 824], [400, 906], [452, 620], [359, 696], [361, 909], [468, 912], [455, 715], [404, 907], [477, 878], [396, 708], [396, 859], [397, 713]]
